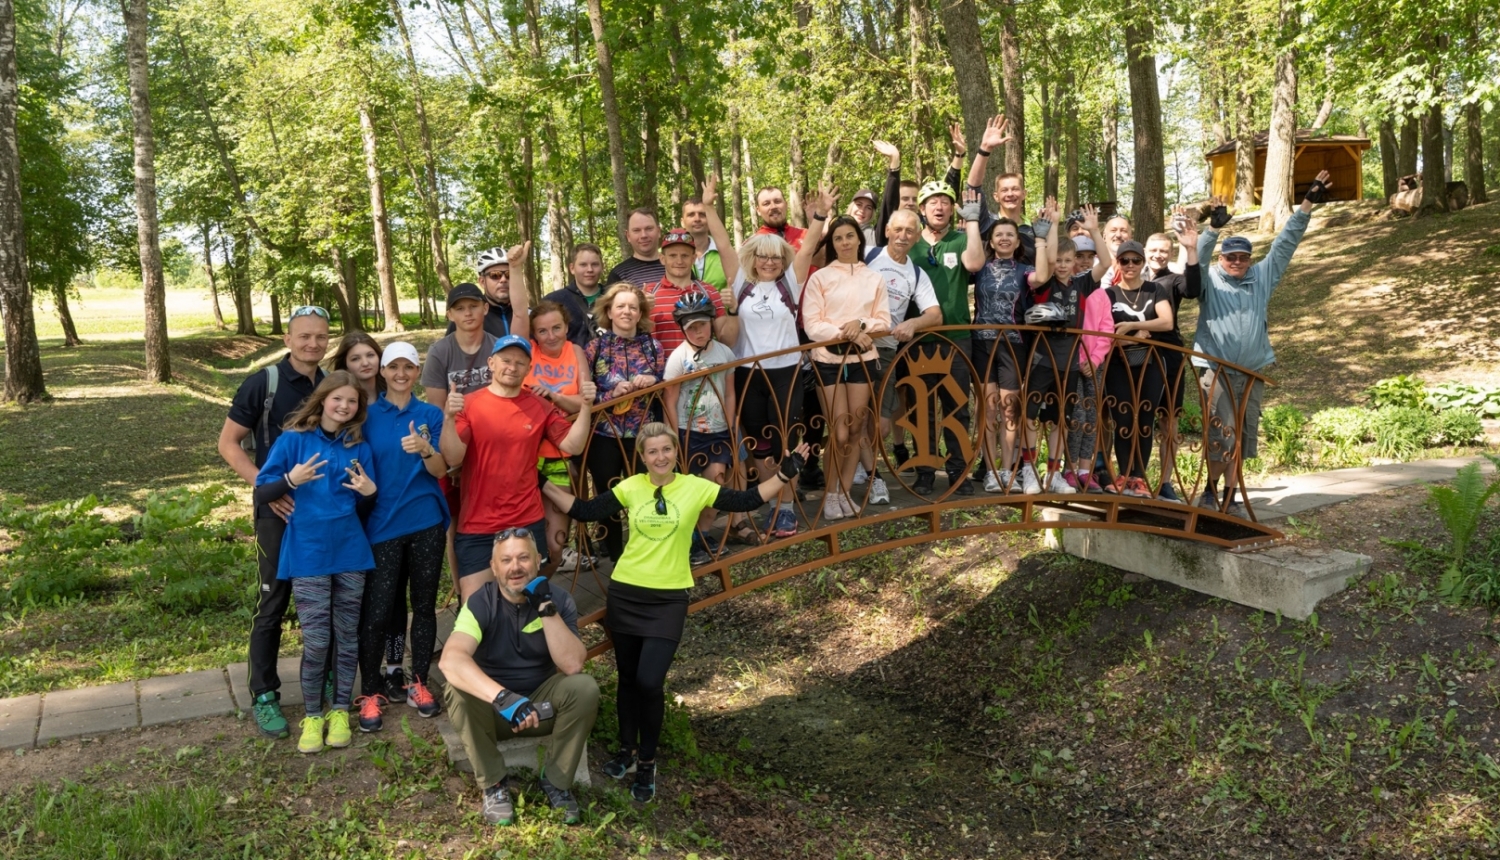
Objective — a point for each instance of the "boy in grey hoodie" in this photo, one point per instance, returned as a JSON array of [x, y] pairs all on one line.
[[1232, 327]]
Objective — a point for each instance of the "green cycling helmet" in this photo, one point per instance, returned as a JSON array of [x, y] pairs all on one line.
[[934, 188]]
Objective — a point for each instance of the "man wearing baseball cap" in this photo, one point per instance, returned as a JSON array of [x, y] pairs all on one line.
[[1232, 327], [678, 253], [496, 437], [506, 308]]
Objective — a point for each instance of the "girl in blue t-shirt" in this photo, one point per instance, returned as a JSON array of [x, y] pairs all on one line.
[[325, 552]]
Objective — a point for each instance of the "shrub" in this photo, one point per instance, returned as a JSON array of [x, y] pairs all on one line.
[[1456, 427], [1343, 425], [186, 563], [1482, 401], [1190, 419], [1401, 432], [59, 551], [1403, 390], [1282, 426], [1460, 508]]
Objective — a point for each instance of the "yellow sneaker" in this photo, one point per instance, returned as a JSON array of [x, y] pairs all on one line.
[[338, 729], [312, 735]]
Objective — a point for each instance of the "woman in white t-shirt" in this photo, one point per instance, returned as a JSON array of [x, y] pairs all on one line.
[[765, 295]]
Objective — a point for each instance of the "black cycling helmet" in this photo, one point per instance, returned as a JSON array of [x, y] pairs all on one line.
[[691, 306]]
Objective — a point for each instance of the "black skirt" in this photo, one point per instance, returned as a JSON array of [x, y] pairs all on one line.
[[648, 612]]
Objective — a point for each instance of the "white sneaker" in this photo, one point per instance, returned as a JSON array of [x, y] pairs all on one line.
[[1058, 484], [833, 507], [572, 560], [992, 482], [1029, 483], [879, 495], [860, 475]]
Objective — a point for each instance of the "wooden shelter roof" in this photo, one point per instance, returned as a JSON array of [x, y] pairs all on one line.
[[1305, 136]]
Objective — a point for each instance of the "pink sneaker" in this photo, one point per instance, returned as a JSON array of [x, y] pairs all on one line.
[[1072, 479], [1087, 483]]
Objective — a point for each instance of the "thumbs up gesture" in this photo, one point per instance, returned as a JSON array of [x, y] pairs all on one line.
[[413, 443]]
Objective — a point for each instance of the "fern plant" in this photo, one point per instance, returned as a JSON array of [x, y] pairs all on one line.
[[1459, 507]]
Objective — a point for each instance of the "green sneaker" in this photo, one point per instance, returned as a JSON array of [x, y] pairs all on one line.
[[312, 734], [268, 717], [338, 729]]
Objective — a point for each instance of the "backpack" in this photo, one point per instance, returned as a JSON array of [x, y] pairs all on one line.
[[263, 426], [785, 292]]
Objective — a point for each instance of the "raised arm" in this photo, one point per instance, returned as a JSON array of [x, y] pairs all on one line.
[[1045, 227], [973, 256], [819, 204], [727, 255], [994, 135], [520, 290], [890, 198], [578, 435], [1218, 216], [1103, 259], [960, 149]]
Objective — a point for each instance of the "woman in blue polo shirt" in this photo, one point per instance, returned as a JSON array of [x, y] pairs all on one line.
[[408, 533], [324, 463]]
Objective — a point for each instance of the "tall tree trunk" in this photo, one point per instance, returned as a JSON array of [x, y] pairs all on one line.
[[346, 291], [1015, 92], [1111, 154], [1051, 119], [1474, 152], [1434, 185], [736, 184], [971, 73], [276, 316], [1447, 153], [213, 278], [611, 120], [1150, 197], [65, 315], [1244, 149], [1326, 109], [918, 36], [1411, 134], [1276, 196], [1389, 158], [148, 245], [1070, 156], [650, 155], [750, 188], [23, 356], [796, 178], [238, 264], [384, 270], [430, 195]]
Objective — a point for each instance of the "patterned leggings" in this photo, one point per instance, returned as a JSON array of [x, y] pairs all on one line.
[[328, 607], [1083, 432], [419, 557]]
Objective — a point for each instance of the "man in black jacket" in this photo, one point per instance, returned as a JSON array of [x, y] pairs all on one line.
[[586, 265]]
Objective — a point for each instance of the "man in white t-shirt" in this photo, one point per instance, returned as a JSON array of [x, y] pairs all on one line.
[[914, 307]]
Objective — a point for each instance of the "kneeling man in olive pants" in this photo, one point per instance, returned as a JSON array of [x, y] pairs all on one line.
[[514, 666]]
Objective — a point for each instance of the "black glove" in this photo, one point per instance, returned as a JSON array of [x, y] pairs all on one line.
[[1041, 227], [791, 464], [1218, 217], [513, 707], [1317, 193], [538, 591]]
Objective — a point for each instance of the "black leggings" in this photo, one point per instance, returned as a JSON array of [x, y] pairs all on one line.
[[395, 634], [608, 459], [642, 663], [420, 556], [1135, 394]]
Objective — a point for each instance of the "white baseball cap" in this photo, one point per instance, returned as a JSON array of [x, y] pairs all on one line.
[[399, 349]]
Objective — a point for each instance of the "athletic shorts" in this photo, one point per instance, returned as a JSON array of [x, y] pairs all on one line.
[[1047, 392], [767, 404], [855, 373], [1002, 371], [474, 550], [555, 471], [705, 449], [890, 397], [1225, 389]]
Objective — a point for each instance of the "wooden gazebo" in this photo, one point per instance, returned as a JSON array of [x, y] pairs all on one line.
[[1341, 155]]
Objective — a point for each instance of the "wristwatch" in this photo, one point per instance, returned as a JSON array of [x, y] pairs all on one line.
[[862, 325], [547, 610]]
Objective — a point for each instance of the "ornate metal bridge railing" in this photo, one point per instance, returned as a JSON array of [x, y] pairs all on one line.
[[1163, 413]]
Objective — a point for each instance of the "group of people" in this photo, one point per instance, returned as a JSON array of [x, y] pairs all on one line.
[[362, 490]]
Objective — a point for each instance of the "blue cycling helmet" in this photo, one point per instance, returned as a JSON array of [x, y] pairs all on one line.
[[692, 306]]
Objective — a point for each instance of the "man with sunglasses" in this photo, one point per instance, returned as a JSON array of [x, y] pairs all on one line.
[[514, 667], [1232, 327], [496, 437], [505, 313], [260, 408]]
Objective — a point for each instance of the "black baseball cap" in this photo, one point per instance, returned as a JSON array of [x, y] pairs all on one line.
[[464, 291]]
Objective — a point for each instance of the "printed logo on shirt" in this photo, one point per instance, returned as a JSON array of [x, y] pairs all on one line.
[[534, 627], [555, 377], [950, 260], [425, 432], [647, 523], [467, 381]]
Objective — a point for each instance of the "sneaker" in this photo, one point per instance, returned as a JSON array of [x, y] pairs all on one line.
[[1136, 488], [992, 482], [965, 487], [623, 763], [498, 809], [879, 493], [561, 798], [1117, 486], [395, 686], [1071, 478], [924, 484], [312, 735], [1209, 500], [1087, 483], [786, 523], [1167, 493], [643, 790], [833, 509], [699, 556], [573, 560], [1060, 485], [1237, 510], [1029, 483], [421, 698], [339, 735], [860, 475], [369, 712], [268, 716]]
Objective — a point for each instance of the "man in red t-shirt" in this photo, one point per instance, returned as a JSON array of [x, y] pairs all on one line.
[[770, 206], [678, 253], [497, 438]]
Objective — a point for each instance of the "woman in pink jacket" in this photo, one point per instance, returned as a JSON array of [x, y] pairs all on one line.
[[845, 300]]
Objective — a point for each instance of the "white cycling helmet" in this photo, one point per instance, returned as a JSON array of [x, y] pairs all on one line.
[[489, 258], [1046, 313]]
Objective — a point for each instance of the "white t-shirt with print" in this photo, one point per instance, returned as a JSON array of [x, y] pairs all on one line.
[[766, 323], [902, 280], [700, 402]]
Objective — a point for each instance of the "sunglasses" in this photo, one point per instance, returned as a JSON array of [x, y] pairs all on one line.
[[307, 311], [497, 276], [507, 534], [1132, 261], [1235, 258], [661, 503]]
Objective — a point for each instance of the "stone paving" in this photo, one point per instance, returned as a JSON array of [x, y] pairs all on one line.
[[36, 720]]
